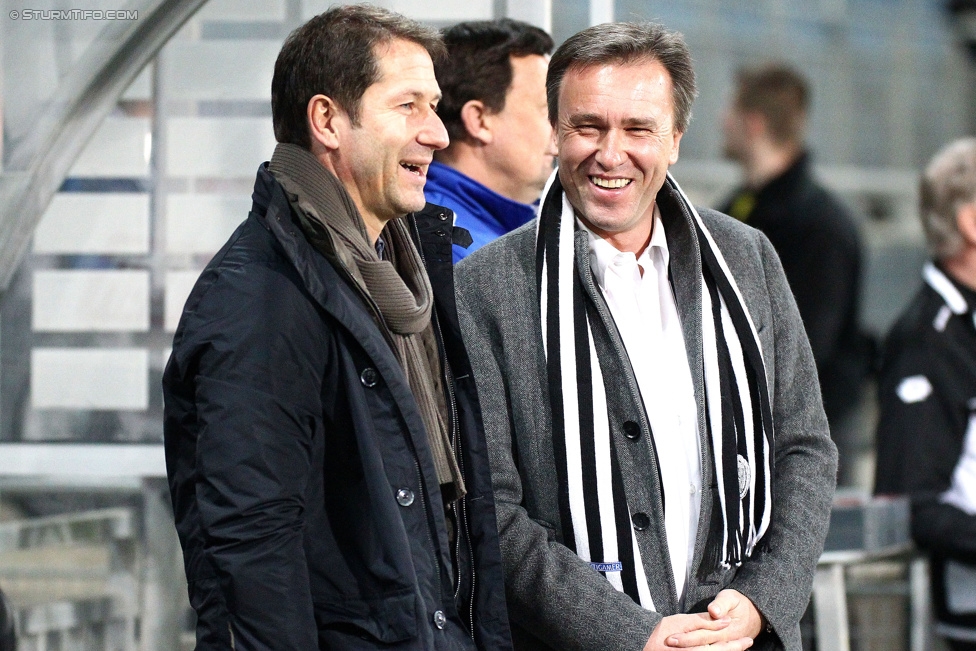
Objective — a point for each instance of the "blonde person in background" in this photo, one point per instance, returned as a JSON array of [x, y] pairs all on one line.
[[926, 440]]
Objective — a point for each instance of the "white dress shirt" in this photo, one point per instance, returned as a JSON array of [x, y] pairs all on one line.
[[643, 308]]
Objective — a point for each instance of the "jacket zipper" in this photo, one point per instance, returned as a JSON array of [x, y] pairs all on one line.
[[374, 308], [460, 508]]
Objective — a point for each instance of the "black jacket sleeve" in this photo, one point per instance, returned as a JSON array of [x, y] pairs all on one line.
[[255, 424], [920, 438]]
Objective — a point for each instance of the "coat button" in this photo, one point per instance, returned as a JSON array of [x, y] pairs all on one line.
[[439, 619], [442, 216], [441, 232], [641, 521], [631, 430], [404, 497], [369, 377]]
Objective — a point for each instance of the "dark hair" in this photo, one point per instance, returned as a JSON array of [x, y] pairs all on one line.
[[334, 54], [478, 65], [627, 43], [780, 94]]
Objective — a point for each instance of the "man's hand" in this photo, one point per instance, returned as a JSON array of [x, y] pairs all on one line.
[[745, 623], [698, 629], [746, 619]]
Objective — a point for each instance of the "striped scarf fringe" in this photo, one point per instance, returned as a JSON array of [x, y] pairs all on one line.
[[593, 506]]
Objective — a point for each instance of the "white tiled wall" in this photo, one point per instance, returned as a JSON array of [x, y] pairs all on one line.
[[243, 10], [95, 223], [201, 223], [90, 378], [104, 300], [428, 10], [120, 148], [218, 147], [234, 69]]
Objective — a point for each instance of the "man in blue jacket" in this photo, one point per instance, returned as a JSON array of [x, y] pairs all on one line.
[[494, 108], [323, 438]]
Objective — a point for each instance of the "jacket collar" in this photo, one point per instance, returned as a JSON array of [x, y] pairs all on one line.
[[786, 183], [478, 199], [945, 287]]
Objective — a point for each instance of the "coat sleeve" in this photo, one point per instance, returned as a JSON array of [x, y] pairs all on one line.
[[553, 596], [927, 431], [253, 455], [779, 580]]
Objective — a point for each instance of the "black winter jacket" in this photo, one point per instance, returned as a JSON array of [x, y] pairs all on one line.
[[819, 245], [305, 494]]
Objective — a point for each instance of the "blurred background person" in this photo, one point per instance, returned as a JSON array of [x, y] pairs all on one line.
[[927, 393], [815, 236], [494, 107], [8, 640]]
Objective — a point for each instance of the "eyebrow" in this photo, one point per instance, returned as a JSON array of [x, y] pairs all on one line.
[[584, 118], [629, 123], [417, 95]]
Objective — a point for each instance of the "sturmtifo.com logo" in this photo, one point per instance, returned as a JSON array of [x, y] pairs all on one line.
[[74, 14]]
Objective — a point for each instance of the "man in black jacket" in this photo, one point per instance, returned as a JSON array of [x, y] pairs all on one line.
[[927, 395], [8, 637], [323, 437], [811, 230]]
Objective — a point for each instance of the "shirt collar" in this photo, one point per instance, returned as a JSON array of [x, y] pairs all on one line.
[[602, 253], [950, 292]]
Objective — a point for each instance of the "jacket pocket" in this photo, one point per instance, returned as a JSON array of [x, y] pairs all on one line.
[[389, 618]]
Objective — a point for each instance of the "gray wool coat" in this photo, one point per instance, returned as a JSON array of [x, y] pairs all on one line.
[[555, 600]]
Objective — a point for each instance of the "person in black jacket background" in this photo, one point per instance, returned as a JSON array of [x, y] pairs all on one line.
[[323, 437], [927, 395], [812, 231], [8, 637]]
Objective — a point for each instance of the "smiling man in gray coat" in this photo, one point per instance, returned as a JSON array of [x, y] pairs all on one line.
[[661, 460]]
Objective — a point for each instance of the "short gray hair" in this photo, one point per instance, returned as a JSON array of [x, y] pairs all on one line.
[[627, 43], [948, 183]]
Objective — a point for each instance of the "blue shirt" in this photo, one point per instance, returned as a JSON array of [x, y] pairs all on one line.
[[486, 214]]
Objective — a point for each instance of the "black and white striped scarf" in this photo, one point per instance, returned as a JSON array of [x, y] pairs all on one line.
[[593, 507]]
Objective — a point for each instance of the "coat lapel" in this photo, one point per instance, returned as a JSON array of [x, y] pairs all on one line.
[[336, 297]]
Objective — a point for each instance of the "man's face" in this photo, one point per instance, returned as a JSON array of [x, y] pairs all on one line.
[[616, 138], [383, 161], [522, 148], [735, 134]]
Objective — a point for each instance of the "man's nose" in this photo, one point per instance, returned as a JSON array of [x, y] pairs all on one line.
[[610, 153], [432, 133]]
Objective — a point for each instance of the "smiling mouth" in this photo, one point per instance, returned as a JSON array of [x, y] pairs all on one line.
[[414, 169], [610, 184]]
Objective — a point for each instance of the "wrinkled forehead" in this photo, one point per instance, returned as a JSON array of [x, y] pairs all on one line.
[[642, 81], [636, 68]]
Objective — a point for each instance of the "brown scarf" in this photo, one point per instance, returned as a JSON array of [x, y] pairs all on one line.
[[397, 290]]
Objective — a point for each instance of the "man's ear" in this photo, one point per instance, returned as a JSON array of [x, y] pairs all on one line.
[[474, 116], [322, 115], [677, 145], [966, 222]]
